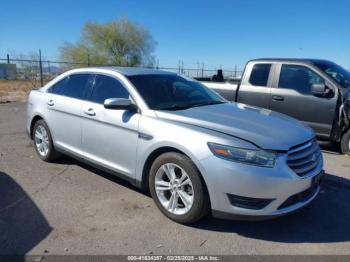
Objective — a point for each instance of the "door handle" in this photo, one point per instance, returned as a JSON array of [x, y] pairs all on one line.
[[278, 98], [90, 112], [50, 103]]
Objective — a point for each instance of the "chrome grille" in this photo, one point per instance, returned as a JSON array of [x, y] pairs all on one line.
[[304, 158]]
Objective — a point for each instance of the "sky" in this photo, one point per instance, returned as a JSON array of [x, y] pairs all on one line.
[[221, 33]]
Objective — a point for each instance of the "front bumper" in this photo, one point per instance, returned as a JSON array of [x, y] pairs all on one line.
[[280, 190]]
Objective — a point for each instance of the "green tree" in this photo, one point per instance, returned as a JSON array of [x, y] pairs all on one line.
[[119, 42]]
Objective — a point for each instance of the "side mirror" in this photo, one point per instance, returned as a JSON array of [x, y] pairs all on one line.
[[318, 89], [119, 104]]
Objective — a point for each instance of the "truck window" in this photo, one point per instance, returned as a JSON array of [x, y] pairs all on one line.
[[299, 78], [260, 74]]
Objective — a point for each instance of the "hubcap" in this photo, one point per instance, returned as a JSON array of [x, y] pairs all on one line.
[[174, 189], [41, 140]]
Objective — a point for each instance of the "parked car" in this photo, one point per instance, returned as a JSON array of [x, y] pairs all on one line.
[[191, 148], [316, 92]]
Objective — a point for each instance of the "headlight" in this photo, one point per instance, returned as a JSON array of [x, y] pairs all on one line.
[[248, 156]]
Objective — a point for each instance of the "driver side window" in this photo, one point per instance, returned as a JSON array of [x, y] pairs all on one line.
[[299, 78]]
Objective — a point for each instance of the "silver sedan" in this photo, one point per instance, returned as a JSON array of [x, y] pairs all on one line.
[[195, 152]]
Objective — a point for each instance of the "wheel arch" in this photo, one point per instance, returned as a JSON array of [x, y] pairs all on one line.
[[35, 119], [143, 184]]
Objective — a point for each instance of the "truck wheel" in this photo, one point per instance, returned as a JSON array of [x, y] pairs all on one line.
[[43, 142], [345, 142], [177, 188]]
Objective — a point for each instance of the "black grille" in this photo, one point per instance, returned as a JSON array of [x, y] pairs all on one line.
[[304, 158], [248, 202]]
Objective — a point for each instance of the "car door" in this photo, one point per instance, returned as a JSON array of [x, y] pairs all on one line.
[[255, 86], [109, 137], [64, 110], [292, 96]]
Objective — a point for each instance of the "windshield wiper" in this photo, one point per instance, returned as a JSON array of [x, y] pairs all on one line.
[[189, 105], [208, 103], [177, 107]]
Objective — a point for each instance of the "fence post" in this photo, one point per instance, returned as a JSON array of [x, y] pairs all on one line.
[[88, 60], [203, 70], [8, 59], [41, 69], [49, 68], [235, 71]]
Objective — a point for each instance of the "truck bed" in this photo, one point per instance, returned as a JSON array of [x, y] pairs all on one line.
[[227, 90]]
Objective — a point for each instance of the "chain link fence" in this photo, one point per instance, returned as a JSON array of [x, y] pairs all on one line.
[[41, 71], [20, 75]]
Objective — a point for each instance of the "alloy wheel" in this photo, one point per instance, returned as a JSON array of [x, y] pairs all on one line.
[[174, 189], [41, 140]]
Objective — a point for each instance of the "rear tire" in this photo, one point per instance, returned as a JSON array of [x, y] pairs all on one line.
[[43, 142], [181, 194], [345, 142]]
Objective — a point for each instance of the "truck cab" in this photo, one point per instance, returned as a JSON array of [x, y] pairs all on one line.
[[314, 91]]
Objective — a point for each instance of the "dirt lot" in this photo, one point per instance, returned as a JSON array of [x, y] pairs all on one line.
[[14, 90], [70, 208]]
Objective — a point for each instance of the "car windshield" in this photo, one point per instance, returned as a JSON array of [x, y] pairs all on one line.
[[173, 92], [338, 73]]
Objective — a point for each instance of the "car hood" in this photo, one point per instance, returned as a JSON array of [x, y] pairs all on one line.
[[262, 127]]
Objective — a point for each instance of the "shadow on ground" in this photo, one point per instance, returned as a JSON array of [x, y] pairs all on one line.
[[22, 225], [66, 160], [325, 220]]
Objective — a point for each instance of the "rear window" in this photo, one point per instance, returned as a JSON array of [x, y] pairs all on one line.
[[260, 74], [59, 87], [74, 86]]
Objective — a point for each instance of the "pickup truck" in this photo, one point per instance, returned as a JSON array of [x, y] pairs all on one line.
[[314, 91]]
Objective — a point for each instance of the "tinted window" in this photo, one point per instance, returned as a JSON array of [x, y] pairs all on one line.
[[339, 74], [299, 78], [260, 74], [173, 92], [59, 87], [76, 86], [73, 86], [107, 87]]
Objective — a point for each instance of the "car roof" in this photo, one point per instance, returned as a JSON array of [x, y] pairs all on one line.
[[130, 71], [298, 60]]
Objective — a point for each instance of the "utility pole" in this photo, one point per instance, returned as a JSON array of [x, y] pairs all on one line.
[[41, 69]]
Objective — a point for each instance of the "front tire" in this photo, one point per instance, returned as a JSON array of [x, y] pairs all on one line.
[[177, 188], [345, 142], [43, 142]]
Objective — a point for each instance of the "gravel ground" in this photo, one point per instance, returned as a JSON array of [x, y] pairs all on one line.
[[71, 208]]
